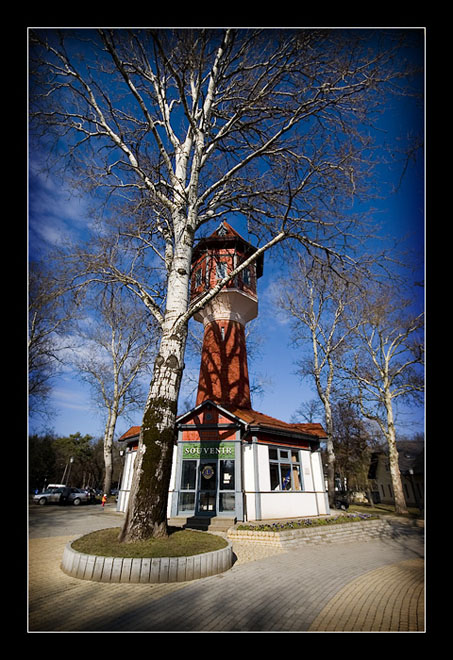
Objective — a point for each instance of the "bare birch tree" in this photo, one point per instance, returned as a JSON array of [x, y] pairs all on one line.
[[48, 317], [316, 300], [188, 126], [117, 347], [386, 367]]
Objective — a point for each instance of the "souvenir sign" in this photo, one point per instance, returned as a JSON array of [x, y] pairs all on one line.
[[211, 450]]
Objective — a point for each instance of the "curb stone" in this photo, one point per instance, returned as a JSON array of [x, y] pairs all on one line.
[[147, 569]]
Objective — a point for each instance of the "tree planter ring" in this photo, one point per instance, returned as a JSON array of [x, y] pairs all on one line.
[[145, 570]]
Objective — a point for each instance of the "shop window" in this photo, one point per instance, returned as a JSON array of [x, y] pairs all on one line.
[[285, 476], [188, 485], [296, 474], [285, 469], [186, 501], [227, 502], [275, 481], [226, 475], [189, 475]]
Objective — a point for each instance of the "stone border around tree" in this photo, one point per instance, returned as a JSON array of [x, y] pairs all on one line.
[[145, 570]]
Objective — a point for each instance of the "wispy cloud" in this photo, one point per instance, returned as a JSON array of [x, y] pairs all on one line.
[[71, 399], [56, 216], [269, 304]]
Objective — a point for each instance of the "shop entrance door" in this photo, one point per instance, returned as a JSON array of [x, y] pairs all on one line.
[[207, 489]]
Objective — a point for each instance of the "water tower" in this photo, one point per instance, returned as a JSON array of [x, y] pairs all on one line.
[[224, 377]]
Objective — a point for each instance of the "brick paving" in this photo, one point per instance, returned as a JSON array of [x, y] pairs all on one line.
[[390, 598], [356, 586]]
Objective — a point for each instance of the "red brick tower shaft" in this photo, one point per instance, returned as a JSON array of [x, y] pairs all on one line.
[[224, 374]]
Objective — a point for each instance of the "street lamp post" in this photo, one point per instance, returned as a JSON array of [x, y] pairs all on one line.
[[64, 472], [68, 464]]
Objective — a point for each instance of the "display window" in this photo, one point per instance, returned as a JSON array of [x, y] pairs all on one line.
[[285, 468]]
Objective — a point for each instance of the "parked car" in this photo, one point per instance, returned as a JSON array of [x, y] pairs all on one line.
[[91, 494], [61, 495]]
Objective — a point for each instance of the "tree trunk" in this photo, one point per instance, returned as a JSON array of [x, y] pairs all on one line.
[[146, 515], [108, 445], [330, 454], [400, 500]]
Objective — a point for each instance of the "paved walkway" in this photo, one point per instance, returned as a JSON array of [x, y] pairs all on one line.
[[369, 586]]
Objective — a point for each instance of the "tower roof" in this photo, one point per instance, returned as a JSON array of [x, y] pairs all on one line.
[[226, 236]]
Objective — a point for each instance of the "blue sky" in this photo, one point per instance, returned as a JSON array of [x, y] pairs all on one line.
[[55, 216]]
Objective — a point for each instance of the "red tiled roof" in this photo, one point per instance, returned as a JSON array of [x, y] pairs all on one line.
[[256, 418], [133, 431], [229, 230]]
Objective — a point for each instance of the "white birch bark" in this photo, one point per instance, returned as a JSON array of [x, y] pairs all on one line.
[[146, 513], [383, 373], [108, 451]]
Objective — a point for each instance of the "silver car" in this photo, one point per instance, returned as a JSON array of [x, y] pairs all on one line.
[[62, 495]]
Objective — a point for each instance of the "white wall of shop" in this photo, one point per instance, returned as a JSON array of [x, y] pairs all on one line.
[[264, 504], [260, 502]]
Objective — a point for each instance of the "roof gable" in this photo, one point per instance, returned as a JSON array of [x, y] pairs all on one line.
[[196, 413], [256, 420], [243, 417], [225, 229]]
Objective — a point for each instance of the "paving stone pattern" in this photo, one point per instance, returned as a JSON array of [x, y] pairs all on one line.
[[374, 585]]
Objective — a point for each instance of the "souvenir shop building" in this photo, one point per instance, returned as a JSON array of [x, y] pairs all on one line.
[[230, 460]]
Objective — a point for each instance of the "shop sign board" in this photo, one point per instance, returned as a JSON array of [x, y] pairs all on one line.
[[212, 450]]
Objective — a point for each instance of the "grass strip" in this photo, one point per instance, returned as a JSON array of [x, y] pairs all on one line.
[[308, 522], [179, 543]]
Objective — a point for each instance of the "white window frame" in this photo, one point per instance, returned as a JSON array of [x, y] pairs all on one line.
[[283, 459]]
